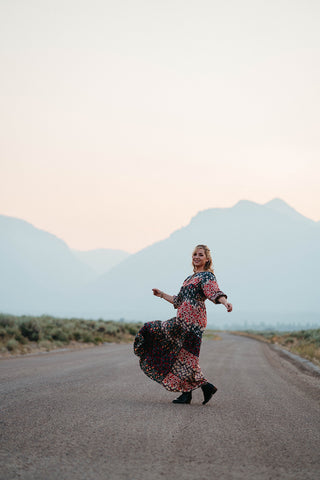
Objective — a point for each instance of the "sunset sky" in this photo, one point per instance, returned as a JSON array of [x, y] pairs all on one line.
[[120, 120]]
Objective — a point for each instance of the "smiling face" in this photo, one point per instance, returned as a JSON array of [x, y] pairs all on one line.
[[199, 260]]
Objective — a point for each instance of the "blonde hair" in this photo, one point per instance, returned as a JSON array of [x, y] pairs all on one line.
[[208, 265]]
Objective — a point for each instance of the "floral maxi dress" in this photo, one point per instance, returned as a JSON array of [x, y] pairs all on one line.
[[169, 351]]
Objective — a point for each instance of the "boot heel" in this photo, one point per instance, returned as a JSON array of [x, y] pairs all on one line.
[[208, 390], [184, 398]]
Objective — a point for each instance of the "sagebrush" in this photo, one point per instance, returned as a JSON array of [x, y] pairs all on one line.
[[20, 334]]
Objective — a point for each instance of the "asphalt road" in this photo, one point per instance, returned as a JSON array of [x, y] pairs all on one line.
[[92, 414]]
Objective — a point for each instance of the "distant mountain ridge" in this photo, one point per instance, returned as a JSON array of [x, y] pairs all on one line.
[[263, 259], [266, 258], [101, 259], [280, 206], [39, 271]]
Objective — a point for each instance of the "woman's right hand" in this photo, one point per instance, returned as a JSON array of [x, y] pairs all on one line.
[[157, 292]]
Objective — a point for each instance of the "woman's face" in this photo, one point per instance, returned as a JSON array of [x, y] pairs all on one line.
[[199, 259]]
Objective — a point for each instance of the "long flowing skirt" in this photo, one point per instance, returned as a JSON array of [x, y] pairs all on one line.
[[169, 354]]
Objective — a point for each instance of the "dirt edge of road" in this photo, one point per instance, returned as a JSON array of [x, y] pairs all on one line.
[[302, 363]]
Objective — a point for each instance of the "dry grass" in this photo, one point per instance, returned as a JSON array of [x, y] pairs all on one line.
[[309, 351], [211, 335], [305, 343]]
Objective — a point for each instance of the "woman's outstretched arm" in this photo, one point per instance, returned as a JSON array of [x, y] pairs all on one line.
[[165, 296]]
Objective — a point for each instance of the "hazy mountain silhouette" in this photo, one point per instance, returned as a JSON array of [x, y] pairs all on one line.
[[38, 270], [102, 259], [266, 258], [280, 206]]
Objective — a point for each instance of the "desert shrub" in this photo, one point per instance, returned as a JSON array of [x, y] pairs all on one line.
[[60, 335], [133, 328], [31, 330], [315, 337], [90, 324], [97, 340], [12, 345], [12, 331], [20, 338], [101, 329], [3, 332], [76, 335], [7, 320], [306, 334], [112, 329], [289, 340], [47, 318], [87, 337]]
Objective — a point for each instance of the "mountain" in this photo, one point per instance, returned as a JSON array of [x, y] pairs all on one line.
[[280, 206], [38, 270], [102, 259], [266, 258]]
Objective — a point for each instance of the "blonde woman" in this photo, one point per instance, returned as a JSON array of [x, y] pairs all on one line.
[[169, 351]]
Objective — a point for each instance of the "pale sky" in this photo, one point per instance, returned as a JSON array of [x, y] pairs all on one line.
[[120, 120]]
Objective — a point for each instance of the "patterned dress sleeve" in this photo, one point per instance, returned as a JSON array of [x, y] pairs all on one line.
[[177, 300], [211, 289]]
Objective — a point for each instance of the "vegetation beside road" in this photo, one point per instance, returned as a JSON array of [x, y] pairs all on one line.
[[26, 334], [211, 335], [30, 334], [305, 343]]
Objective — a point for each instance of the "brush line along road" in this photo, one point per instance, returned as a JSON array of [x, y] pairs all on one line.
[[92, 414]]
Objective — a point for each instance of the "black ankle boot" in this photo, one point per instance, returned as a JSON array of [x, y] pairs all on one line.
[[208, 390], [184, 398]]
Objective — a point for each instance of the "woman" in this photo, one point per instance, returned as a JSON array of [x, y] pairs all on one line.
[[169, 351]]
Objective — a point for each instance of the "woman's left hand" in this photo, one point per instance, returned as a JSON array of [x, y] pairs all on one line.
[[228, 306]]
